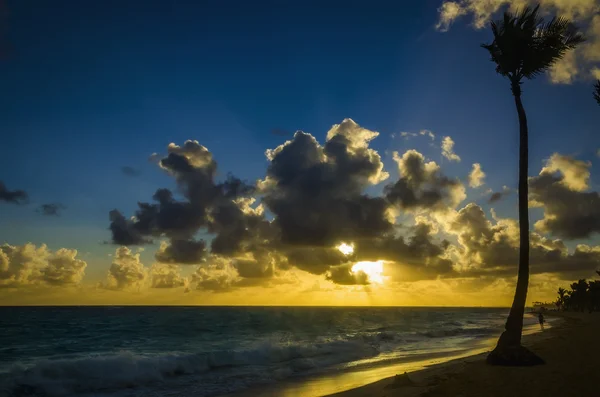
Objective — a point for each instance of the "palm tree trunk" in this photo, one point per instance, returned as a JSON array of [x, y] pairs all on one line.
[[514, 323], [509, 350]]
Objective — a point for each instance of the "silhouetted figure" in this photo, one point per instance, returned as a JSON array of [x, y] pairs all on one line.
[[541, 320]]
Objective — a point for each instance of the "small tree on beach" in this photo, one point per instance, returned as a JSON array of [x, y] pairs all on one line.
[[560, 302], [524, 46]]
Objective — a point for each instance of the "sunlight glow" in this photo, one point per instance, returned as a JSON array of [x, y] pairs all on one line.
[[346, 249], [373, 270]]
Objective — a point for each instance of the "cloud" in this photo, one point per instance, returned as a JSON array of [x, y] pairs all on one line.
[[584, 13], [317, 192], [343, 275], [312, 198], [448, 149], [492, 249], [476, 176], [12, 196], [449, 12], [207, 206], [218, 275], [126, 271], [408, 135], [166, 276], [422, 185], [130, 171], [51, 209], [181, 251], [27, 264], [63, 268], [497, 196], [561, 189]]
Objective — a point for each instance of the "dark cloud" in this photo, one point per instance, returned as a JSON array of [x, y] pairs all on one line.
[[130, 171], [207, 205], [252, 268], [497, 196], [422, 186], [344, 275], [51, 209], [12, 196], [313, 198], [124, 231], [561, 189], [182, 251], [316, 192], [315, 260]]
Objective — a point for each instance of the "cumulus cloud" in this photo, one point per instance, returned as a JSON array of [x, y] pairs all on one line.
[[492, 248], [28, 265], [317, 192], [12, 196], [311, 199], [448, 149], [51, 209], [422, 185], [181, 251], [476, 176], [580, 62], [166, 276], [126, 271], [218, 276], [221, 274], [63, 268], [561, 189], [207, 206]]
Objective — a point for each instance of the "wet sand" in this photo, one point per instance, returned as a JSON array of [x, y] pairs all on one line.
[[571, 350]]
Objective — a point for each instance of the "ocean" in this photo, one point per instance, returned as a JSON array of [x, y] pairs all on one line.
[[212, 351]]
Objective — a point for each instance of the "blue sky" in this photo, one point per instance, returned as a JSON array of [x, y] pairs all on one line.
[[92, 87]]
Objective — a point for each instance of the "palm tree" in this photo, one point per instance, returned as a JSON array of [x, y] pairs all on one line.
[[561, 298], [597, 94], [524, 46]]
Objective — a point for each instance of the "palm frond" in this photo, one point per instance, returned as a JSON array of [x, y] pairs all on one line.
[[597, 98], [525, 45]]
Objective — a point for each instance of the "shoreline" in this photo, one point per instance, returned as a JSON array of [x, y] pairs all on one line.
[[368, 381], [471, 376]]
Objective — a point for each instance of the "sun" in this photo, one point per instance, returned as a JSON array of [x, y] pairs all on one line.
[[346, 249], [373, 270]]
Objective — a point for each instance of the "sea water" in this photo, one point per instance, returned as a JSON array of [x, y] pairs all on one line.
[[211, 351]]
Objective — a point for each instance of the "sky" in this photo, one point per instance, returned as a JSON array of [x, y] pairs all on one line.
[[222, 152]]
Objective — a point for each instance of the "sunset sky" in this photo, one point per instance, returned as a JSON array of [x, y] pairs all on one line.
[[150, 154]]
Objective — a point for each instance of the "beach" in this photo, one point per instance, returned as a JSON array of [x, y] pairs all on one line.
[[570, 349]]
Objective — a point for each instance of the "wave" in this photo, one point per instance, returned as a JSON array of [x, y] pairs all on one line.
[[459, 331], [105, 373], [95, 373]]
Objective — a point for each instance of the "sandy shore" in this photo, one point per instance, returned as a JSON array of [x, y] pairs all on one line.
[[571, 350]]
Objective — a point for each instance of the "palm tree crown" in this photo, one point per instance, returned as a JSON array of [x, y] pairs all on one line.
[[525, 45]]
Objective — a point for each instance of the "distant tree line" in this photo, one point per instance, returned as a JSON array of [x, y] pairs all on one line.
[[583, 295]]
